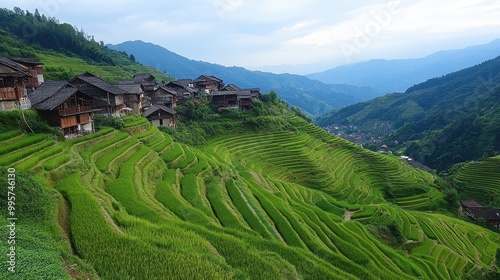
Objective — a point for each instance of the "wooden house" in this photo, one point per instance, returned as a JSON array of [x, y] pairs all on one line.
[[165, 96], [245, 100], [35, 69], [160, 115], [225, 99], [147, 81], [13, 79], [184, 89], [231, 87], [208, 83], [64, 106], [477, 212], [109, 98], [133, 97]]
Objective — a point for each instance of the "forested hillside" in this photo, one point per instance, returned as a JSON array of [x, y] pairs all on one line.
[[443, 121], [64, 50]]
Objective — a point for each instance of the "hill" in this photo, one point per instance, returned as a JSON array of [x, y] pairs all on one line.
[[259, 194], [313, 97], [290, 203], [442, 121], [64, 51], [397, 75], [479, 180]]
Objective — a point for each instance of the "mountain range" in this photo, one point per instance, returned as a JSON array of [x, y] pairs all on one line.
[[313, 97], [318, 93], [441, 122], [397, 75]]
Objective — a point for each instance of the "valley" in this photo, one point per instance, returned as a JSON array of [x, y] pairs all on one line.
[[199, 179], [137, 194]]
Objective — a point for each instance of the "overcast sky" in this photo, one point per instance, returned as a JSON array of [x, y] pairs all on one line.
[[305, 35]]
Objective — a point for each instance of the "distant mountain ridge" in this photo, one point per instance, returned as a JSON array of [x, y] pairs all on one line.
[[313, 97], [443, 121], [399, 74]]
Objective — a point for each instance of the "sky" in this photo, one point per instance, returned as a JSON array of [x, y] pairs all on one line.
[[295, 36]]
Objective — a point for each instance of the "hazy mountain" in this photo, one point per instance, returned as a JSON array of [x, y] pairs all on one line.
[[398, 75], [313, 97], [442, 121]]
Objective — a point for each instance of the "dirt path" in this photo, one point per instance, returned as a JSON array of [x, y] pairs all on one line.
[[348, 215]]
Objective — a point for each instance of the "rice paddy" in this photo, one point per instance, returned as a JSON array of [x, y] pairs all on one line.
[[246, 206]]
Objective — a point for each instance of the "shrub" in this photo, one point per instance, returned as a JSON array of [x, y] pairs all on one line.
[[109, 121], [14, 120]]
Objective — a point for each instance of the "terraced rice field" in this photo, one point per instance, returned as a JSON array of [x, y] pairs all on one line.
[[245, 206], [480, 181]]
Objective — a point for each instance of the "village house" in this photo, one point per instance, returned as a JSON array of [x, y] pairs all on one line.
[[477, 212], [133, 97], [147, 81], [109, 98], [208, 83], [64, 106], [35, 69], [225, 99], [160, 115], [184, 89], [165, 96], [13, 80]]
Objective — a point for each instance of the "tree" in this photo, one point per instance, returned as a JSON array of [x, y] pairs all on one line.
[[132, 57], [18, 11], [37, 15]]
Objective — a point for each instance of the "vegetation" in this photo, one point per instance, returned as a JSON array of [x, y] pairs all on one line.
[[200, 120], [64, 50], [261, 194], [262, 202], [479, 181], [442, 122]]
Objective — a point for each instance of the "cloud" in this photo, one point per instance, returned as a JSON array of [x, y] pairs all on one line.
[[273, 32]]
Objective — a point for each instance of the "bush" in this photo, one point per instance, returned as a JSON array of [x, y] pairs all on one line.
[[109, 121], [14, 120]]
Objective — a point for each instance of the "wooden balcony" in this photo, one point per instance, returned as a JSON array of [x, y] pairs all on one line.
[[8, 93], [74, 110]]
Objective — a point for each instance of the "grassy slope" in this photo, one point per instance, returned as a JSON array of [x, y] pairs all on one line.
[[260, 206], [59, 66]]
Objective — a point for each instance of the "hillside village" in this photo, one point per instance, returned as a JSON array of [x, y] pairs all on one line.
[[71, 105]]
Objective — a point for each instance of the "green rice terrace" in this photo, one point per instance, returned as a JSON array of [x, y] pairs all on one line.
[[480, 181], [279, 204]]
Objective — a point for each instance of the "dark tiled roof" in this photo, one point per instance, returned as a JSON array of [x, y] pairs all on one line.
[[226, 92], [51, 94], [171, 91], [100, 83], [131, 89], [140, 78], [14, 66], [205, 78], [26, 61], [151, 110], [183, 82], [470, 203], [125, 82], [487, 213], [231, 87]]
